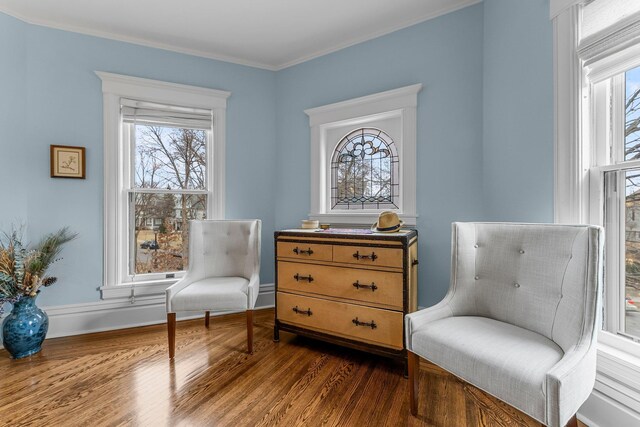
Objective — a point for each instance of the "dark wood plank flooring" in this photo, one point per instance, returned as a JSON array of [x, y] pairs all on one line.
[[125, 378]]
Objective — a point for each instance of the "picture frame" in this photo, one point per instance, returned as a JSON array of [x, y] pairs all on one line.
[[67, 161]]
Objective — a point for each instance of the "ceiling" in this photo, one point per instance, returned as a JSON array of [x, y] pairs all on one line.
[[267, 34]]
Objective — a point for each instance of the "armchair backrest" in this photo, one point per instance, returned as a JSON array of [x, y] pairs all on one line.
[[541, 277], [219, 248]]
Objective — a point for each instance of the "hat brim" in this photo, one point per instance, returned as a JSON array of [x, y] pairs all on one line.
[[393, 229]]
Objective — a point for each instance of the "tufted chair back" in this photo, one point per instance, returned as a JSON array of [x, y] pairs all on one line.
[[223, 248], [529, 275]]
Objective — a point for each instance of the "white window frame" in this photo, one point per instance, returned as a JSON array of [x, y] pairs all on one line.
[[360, 112], [607, 153], [117, 281], [578, 194]]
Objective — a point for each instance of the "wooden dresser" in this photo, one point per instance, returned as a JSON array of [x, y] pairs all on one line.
[[351, 289]]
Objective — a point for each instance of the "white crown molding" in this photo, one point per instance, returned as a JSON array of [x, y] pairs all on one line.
[[138, 41], [230, 58], [376, 34]]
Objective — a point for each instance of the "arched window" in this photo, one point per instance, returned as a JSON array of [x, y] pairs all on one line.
[[364, 171]]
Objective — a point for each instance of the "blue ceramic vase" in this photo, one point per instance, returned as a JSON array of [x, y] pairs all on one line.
[[24, 330]]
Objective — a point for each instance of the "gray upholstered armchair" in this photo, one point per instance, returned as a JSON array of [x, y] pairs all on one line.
[[223, 274], [521, 316]]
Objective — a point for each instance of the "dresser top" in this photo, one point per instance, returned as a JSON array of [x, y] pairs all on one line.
[[404, 234]]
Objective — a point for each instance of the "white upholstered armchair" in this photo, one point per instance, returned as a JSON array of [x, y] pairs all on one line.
[[521, 316], [223, 274]]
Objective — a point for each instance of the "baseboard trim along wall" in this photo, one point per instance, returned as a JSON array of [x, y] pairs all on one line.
[[112, 314], [602, 411]]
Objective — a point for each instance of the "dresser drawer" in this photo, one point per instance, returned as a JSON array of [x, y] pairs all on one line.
[[305, 251], [360, 286], [368, 255], [372, 325]]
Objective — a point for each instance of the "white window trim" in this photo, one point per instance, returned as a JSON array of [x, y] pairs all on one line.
[[400, 102], [618, 364], [115, 87], [556, 7]]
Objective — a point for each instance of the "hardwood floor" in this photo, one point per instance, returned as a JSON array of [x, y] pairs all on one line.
[[125, 378]]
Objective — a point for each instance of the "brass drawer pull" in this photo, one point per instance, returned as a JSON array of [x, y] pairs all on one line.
[[372, 257], [298, 278], [372, 325], [298, 311], [359, 285], [298, 251]]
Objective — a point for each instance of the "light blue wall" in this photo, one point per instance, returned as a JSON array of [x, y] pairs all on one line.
[[518, 111], [13, 138], [485, 128], [51, 74], [445, 55]]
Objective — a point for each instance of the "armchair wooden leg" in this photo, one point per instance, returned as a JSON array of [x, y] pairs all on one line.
[[206, 319], [573, 422], [171, 330], [250, 331], [413, 362]]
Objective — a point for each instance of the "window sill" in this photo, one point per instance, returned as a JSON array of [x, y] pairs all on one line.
[[618, 370], [136, 289], [361, 218]]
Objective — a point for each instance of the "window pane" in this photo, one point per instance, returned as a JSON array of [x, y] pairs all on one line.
[[364, 171], [170, 158], [632, 253], [632, 114], [161, 235]]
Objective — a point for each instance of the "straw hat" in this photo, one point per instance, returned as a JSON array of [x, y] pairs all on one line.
[[388, 222]]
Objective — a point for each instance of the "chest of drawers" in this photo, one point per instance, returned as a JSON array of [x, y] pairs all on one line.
[[351, 289]]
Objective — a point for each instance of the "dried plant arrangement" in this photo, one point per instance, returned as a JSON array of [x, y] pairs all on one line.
[[23, 270]]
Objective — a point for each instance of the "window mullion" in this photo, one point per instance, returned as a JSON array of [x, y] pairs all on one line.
[[617, 117], [166, 191], [131, 260], [614, 218]]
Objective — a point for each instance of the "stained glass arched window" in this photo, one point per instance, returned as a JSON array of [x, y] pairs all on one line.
[[364, 171]]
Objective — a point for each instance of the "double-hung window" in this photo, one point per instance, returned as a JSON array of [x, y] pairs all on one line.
[[597, 55], [166, 183], [608, 149], [164, 166], [616, 187]]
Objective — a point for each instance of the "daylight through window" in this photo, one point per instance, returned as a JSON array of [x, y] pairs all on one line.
[[168, 182], [618, 98], [364, 171]]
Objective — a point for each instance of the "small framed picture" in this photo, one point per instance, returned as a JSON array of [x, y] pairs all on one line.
[[67, 162]]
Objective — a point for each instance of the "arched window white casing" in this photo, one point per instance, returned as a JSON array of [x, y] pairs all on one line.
[[335, 126]]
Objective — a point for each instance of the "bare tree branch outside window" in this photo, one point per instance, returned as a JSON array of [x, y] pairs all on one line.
[[632, 203], [364, 171], [173, 159]]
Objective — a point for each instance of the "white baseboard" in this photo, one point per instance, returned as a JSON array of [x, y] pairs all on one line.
[[107, 315], [601, 411]]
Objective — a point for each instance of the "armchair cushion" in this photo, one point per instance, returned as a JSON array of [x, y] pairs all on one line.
[[213, 293], [504, 360]]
